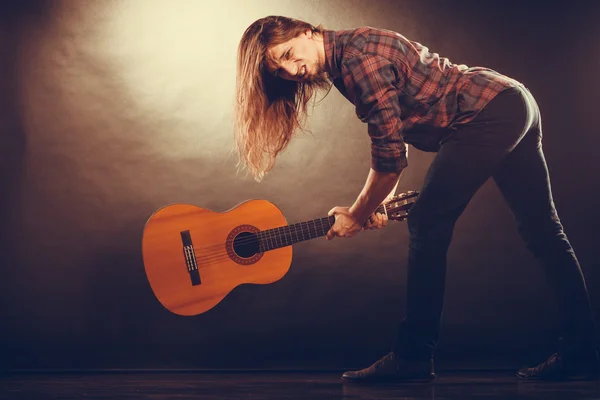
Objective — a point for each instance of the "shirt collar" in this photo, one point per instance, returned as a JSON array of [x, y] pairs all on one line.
[[330, 53]]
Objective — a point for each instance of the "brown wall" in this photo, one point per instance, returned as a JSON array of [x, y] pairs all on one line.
[[111, 109]]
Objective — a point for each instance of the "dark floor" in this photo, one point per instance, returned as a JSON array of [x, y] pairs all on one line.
[[201, 386]]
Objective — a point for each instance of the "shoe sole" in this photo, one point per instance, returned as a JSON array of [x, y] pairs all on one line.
[[557, 378], [392, 379]]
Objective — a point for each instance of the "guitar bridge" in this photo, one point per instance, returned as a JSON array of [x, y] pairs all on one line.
[[190, 258]]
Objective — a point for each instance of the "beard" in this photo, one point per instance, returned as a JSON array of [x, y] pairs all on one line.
[[320, 79]]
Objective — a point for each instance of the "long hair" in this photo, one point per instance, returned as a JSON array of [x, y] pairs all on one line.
[[268, 110]]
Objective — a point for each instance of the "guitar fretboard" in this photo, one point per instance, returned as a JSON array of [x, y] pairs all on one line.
[[287, 235]]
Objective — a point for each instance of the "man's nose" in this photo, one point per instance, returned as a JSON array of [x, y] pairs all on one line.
[[291, 68]]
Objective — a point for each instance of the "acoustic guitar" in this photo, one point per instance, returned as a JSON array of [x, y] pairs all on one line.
[[195, 257]]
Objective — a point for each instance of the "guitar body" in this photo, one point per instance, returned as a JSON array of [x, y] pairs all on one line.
[[194, 257]]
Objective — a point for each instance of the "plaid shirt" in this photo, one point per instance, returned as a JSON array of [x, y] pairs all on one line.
[[405, 93]]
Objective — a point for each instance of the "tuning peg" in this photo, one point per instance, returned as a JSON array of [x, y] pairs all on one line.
[[397, 217]]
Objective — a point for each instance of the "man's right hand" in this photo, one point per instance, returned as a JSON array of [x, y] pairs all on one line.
[[376, 221]]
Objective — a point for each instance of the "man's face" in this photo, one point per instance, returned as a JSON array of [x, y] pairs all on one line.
[[297, 59]]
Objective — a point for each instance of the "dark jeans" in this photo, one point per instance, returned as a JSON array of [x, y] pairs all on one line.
[[503, 142]]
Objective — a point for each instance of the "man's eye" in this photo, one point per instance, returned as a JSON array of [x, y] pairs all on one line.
[[288, 54]]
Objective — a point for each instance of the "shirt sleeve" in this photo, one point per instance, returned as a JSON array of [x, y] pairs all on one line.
[[372, 82]]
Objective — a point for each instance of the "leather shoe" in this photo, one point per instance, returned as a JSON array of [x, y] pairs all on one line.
[[558, 367], [391, 368]]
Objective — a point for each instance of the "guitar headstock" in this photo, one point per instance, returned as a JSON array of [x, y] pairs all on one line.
[[397, 207]]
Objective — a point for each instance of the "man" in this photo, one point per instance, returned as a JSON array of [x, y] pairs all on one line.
[[481, 124]]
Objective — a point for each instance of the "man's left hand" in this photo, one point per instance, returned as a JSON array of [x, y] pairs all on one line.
[[345, 224]]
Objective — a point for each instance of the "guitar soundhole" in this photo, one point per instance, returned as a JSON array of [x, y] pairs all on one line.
[[245, 244], [242, 245]]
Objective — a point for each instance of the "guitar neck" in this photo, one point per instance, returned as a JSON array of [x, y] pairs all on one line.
[[283, 236]]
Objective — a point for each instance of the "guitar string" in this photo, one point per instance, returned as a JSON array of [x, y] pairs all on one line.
[[271, 233], [279, 233], [215, 257], [223, 255], [282, 228], [272, 242], [273, 239]]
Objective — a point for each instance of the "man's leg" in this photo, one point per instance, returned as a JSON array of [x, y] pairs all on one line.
[[465, 161], [524, 182]]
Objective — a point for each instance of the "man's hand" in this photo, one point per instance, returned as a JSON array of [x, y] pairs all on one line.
[[345, 224], [376, 221]]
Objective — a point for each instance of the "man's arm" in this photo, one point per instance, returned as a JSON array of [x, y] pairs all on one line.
[[374, 81], [393, 191], [378, 187]]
